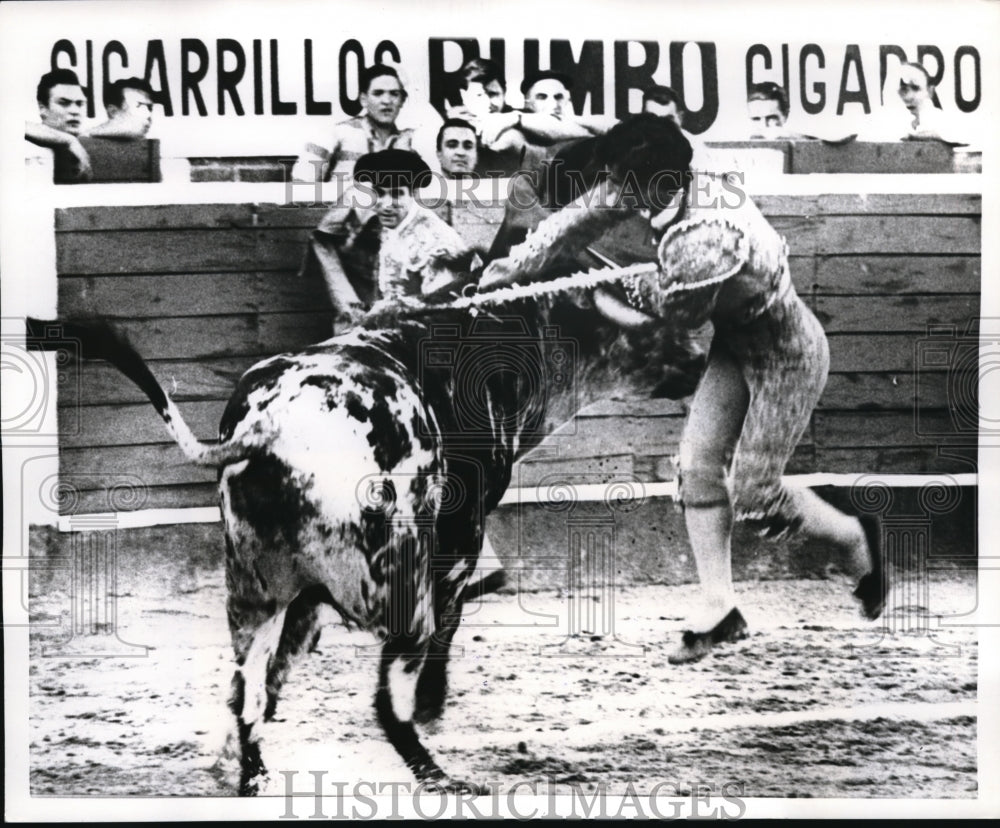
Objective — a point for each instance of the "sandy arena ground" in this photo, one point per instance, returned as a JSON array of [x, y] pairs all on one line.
[[816, 703]]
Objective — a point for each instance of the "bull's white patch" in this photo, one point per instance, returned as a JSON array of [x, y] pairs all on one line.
[[403, 689], [254, 669]]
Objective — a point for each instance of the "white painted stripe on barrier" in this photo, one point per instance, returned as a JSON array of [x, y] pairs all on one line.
[[584, 493], [146, 517], [584, 736]]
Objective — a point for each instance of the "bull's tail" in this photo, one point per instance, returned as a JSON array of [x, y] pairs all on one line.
[[98, 340]]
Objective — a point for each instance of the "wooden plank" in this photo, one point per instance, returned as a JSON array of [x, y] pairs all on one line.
[[226, 336], [600, 436], [803, 271], [842, 235], [861, 353], [477, 224], [872, 157], [189, 379], [154, 497], [844, 391], [884, 314], [870, 204], [634, 408], [190, 294], [572, 470], [299, 214], [892, 274], [133, 424], [180, 251], [886, 391], [889, 460], [137, 422], [478, 212], [486, 211], [852, 429], [653, 467], [113, 160], [592, 436], [154, 465], [187, 217]]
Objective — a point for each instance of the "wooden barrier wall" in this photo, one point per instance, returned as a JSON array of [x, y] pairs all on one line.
[[204, 291]]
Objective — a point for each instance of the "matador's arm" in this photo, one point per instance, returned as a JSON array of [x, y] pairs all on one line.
[[559, 237]]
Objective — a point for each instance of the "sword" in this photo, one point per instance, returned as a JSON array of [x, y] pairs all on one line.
[[582, 280]]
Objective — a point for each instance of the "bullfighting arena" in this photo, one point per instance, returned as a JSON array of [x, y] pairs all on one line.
[[199, 244]]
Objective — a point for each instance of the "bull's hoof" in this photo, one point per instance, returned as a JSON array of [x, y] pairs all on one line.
[[252, 786], [695, 646], [873, 588]]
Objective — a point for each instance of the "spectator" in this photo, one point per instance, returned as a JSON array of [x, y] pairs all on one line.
[[546, 122], [129, 104], [767, 107], [547, 93], [382, 97], [61, 100], [484, 95], [918, 96], [483, 90], [663, 101], [457, 148]]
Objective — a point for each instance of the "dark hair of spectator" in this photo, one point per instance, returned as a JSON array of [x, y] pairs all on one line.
[[923, 69], [57, 77], [454, 123], [392, 168], [379, 70], [481, 70], [662, 95], [930, 86], [770, 92], [115, 94], [536, 77], [646, 147]]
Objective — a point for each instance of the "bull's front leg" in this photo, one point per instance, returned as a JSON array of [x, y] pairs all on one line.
[[461, 543], [398, 675]]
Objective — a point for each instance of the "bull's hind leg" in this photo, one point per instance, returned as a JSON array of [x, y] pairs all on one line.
[[300, 632], [257, 630]]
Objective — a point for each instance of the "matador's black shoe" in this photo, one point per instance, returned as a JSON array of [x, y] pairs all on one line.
[[695, 646], [873, 588]]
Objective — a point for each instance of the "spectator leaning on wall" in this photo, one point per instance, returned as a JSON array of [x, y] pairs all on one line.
[[129, 104], [919, 97], [61, 101], [546, 122]]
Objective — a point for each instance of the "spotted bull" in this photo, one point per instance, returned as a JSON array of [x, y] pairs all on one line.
[[359, 472]]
